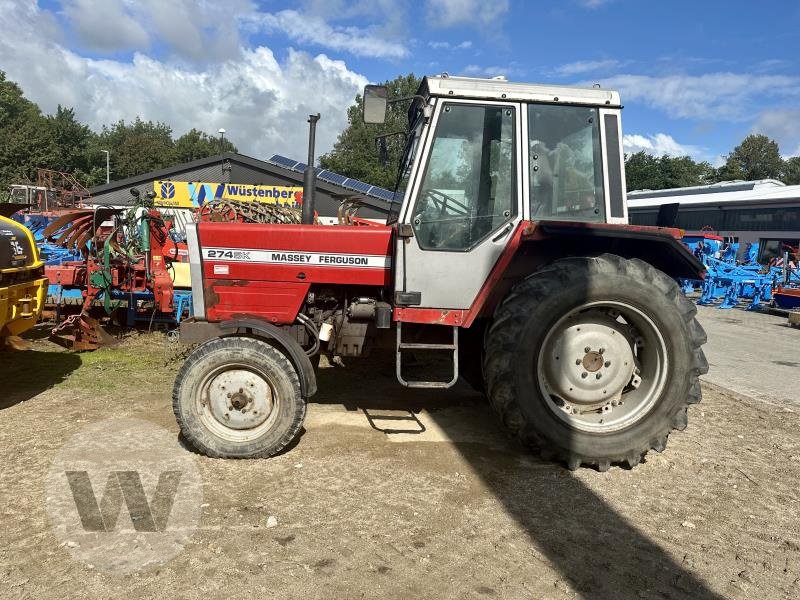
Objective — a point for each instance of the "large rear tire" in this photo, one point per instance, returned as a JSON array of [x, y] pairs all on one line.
[[238, 397], [595, 360]]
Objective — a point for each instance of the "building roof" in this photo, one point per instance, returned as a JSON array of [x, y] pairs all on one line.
[[361, 187], [328, 186], [500, 89], [769, 191]]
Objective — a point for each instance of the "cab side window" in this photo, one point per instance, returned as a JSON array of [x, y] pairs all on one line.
[[469, 188], [566, 168]]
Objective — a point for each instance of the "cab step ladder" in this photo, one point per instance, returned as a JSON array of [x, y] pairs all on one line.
[[451, 348]]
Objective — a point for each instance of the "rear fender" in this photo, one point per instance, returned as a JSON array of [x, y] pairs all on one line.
[[537, 244], [197, 332], [659, 246]]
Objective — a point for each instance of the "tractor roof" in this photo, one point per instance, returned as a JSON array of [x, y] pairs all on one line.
[[500, 89]]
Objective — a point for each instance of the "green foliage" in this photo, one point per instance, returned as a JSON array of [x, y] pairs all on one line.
[[355, 153], [643, 172], [137, 147], [646, 172], [25, 138], [757, 157], [74, 144], [196, 144], [791, 171]]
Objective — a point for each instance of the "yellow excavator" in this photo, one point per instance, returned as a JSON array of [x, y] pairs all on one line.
[[23, 286]]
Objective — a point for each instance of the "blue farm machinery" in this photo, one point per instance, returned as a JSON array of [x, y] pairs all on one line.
[[730, 280]]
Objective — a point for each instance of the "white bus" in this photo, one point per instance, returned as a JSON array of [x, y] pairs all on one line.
[[765, 211]]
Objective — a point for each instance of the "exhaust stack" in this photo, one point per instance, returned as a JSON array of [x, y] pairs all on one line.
[[310, 175]]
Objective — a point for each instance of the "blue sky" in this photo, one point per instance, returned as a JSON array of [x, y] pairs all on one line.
[[695, 77]]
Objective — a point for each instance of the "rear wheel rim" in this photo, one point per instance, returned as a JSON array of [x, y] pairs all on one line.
[[602, 367], [238, 402]]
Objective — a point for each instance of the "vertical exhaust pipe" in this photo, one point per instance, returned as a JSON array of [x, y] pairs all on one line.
[[310, 175]]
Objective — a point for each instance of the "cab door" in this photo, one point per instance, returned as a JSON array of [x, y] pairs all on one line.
[[465, 202]]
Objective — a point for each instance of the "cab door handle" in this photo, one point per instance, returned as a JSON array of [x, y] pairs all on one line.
[[503, 232]]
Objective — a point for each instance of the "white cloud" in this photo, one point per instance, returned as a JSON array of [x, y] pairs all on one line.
[[263, 103], [202, 31], [713, 96], [105, 25], [197, 31], [586, 66], [314, 30], [388, 17], [783, 126], [465, 45], [479, 71], [718, 160], [659, 144], [448, 13], [594, 3]]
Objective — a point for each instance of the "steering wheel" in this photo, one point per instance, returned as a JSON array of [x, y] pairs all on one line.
[[442, 202], [448, 220]]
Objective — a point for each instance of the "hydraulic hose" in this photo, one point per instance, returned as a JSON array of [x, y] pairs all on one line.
[[312, 328]]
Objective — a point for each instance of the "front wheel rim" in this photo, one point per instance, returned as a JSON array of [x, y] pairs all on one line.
[[237, 403], [602, 367]]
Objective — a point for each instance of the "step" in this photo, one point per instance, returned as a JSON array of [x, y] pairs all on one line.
[[414, 346]]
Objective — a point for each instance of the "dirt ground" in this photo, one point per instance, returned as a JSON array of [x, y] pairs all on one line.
[[444, 508]]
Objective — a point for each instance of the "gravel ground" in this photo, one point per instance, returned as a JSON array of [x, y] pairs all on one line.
[[445, 507], [752, 353]]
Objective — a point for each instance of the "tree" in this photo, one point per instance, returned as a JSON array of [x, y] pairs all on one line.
[[682, 171], [643, 172], [138, 147], [646, 172], [355, 153], [791, 171], [196, 144], [757, 157], [25, 138], [75, 145]]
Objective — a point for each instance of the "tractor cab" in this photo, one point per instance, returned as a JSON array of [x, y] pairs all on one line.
[[33, 197], [484, 155]]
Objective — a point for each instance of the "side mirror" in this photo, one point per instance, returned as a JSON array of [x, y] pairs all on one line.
[[376, 99]]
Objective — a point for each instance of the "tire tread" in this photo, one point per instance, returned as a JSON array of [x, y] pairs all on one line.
[[501, 345], [238, 343]]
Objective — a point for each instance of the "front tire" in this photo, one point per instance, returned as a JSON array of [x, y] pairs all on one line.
[[238, 397], [595, 360]]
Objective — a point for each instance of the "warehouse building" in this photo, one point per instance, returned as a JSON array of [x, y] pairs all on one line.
[[238, 177]]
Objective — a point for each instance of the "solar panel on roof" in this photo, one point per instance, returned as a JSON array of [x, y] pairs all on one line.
[[383, 194], [282, 161], [359, 186], [332, 177]]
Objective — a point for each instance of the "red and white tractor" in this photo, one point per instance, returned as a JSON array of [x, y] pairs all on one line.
[[507, 252]]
